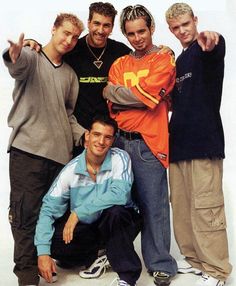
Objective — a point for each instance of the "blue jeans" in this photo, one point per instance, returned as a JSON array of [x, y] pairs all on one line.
[[151, 192]]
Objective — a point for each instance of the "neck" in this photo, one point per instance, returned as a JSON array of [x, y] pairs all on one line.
[[92, 44], [93, 163], [140, 54], [53, 56]]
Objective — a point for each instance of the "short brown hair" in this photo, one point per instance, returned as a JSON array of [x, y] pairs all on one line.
[[104, 120], [73, 19]]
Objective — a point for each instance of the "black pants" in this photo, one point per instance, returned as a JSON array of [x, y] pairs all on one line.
[[117, 227], [30, 178], [82, 250], [120, 226]]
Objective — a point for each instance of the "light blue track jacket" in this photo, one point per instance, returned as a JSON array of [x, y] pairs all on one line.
[[87, 198]]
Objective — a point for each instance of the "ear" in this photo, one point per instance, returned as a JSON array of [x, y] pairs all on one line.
[[88, 23], [112, 141], [53, 30], [171, 30], [86, 136], [152, 29], [195, 19]]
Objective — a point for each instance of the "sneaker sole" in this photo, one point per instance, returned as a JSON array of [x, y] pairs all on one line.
[[189, 270], [162, 283]]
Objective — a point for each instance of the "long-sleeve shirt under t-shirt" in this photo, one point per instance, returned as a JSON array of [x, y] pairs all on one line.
[[150, 79]]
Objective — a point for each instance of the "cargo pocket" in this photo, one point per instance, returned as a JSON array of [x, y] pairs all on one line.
[[14, 215], [210, 214]]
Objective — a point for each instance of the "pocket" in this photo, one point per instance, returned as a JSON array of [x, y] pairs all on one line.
[[210, 213], [14, 215], [145, 153]]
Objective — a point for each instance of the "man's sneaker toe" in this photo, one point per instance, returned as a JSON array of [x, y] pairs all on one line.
[[184, 267], [207, 280], [161, 278]]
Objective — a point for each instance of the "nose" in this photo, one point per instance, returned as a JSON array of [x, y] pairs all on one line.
[[100, 29], [69, 40], [101, 140], [181, 30], [136, 37]]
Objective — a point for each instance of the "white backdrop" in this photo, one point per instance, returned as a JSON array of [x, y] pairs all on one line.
[[35, 19]]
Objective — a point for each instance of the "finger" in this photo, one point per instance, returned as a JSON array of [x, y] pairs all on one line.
[[66, 236], [216, 38], [208, 42], [69, 234], [201, 41], [54, 269], [38, 48], [202, 45], [50, 277], [21, 39], [10, 42], [44, 274]]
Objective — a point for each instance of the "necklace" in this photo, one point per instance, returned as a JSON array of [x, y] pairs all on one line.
[[146, 53], [98, 63], [94, 171]]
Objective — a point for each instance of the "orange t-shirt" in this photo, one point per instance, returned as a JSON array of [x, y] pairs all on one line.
[[150, 79]]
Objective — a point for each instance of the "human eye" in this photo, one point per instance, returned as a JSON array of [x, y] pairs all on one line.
[[96, 23], [109, 138], [66, 33], [107, 26], [76, 37]]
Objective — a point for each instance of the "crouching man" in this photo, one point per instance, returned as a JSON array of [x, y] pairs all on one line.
[[97, 185]]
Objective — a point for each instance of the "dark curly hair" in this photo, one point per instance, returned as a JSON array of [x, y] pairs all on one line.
[[102, 8]]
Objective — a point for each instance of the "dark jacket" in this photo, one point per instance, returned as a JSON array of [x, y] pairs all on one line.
[[196, 130]]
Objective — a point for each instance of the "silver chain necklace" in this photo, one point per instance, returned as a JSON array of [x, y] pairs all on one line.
[[146, 53], [98, 63], [94, 171]]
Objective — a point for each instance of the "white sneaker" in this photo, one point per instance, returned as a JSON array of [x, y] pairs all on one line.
[[207, 280], [98, 268], [184, 267], [119, 282]]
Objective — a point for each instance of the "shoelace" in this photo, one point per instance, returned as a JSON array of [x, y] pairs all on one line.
[[160, 274], [206, 277], [98, 263]]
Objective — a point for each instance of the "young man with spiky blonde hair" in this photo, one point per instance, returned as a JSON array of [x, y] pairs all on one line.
[[197, 150]]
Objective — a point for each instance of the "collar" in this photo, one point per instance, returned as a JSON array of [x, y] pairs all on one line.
[[81, 167]]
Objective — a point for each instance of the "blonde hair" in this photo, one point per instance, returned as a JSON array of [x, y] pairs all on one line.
[[177, 10], [131, 13], [73, 19]]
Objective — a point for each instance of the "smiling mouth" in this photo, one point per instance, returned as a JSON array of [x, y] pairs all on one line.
[[100, 148]]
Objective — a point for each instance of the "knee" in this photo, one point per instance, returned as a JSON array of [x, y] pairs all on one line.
[[117, 214], [114, 211]]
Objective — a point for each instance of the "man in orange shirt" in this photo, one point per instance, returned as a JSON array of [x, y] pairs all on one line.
[[137, 94]]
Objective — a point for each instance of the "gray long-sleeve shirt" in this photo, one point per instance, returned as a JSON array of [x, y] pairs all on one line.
[[44, 97]]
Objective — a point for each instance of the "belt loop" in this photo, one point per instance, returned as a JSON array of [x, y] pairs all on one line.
[[130, 136]]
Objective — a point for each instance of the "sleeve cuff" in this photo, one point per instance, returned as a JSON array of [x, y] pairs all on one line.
[[43, 250]]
